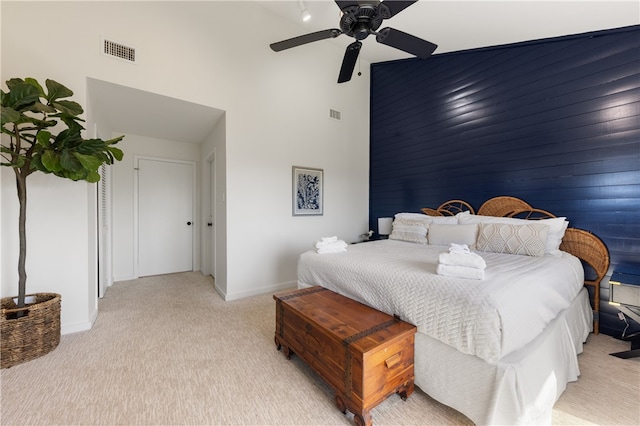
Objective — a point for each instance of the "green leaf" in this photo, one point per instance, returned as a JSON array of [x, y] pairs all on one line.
[[68, 138], [114, 140], [91, 146], [71, 121], [22, 96], [89, 162], [9, 115], [92, 177], [51, 161], [56, 91], [68, 107], [44, 138], [39, 107], [70, 162], [116, 152], [12, 82], [34, 82]]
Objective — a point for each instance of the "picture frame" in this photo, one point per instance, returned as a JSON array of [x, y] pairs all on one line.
[[308, 190]]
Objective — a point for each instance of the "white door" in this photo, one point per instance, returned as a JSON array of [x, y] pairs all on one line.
[[165, 217]]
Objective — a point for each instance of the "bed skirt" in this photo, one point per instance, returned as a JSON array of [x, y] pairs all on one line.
[[522, 387]]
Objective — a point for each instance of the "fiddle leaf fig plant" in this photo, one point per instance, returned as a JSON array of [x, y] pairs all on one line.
[[30, 117]]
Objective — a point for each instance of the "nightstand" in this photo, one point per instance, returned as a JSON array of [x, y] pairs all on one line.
[[624, 293]]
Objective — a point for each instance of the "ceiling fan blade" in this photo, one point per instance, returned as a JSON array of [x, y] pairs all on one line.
[[406, 42], [304, 39], [349, 61], [389, 8], [344, 4]]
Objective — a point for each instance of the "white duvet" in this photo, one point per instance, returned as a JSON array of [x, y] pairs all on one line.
[[487, 318]]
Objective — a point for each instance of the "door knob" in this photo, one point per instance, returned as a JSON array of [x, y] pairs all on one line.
[[209, 224], [189, 223]]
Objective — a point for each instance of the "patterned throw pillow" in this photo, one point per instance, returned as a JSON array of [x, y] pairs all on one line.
[[557, 226], [410, 229], [527, 240]]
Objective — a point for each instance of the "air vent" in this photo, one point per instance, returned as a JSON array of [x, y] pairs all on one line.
[[118, 50], [334, 114]]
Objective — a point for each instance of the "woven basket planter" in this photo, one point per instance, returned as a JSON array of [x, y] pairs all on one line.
[[35, 333]]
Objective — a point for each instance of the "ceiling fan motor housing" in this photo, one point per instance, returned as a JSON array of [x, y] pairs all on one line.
[[360, 21]]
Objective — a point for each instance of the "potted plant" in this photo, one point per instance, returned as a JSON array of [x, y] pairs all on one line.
[[30, 118]]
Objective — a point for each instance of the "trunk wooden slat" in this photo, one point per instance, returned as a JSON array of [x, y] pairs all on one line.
[[363, 354]]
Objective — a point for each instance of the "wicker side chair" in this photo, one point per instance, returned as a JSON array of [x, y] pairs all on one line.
[[594, 252], [503, 206]]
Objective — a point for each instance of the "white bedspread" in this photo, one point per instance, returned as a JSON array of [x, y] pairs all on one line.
[[487, 318]]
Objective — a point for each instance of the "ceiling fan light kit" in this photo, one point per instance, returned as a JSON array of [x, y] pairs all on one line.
[[359, 20], [304, 12]]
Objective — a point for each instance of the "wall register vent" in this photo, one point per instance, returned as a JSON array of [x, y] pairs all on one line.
[[118, 50], [334, 114]]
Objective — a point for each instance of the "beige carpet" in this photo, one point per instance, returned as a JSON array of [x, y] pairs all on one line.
[[168, 350]]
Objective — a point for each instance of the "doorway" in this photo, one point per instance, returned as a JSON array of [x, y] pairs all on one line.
[[165, 216]]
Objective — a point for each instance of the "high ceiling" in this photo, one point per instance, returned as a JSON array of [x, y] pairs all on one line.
[[452, 25], [459, 25]]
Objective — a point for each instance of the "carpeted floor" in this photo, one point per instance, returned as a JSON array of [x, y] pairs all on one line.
[[167, 350]]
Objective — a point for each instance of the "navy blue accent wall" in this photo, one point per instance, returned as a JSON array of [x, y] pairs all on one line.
[[555, 122]]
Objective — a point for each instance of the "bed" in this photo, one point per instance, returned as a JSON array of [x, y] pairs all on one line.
[[501, 348]]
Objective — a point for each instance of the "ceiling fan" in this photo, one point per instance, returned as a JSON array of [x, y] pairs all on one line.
[[359, 20]]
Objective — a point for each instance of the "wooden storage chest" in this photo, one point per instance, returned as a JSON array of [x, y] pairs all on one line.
[[363, 354]]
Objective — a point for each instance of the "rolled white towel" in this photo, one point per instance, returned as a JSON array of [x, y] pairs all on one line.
[[460, 272], [471, 260], [459, 248]]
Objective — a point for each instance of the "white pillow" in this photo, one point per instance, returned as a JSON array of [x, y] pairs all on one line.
[[429, 219], [418, 216], [557, 226], [410, 229], [445, 220], [528, 239], [444, 234]]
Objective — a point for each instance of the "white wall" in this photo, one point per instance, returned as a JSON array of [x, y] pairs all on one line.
[[276, 116]]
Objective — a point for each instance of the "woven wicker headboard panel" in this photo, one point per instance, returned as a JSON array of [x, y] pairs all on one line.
[[592, 250], [503, 206]]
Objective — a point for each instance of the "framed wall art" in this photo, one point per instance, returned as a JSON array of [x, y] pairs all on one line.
[[307, 191]]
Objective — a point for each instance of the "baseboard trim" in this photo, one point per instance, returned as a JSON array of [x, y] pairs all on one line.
[[258, 291], [123, 278], [81, 326]]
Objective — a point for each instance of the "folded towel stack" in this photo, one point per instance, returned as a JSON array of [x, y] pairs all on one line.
[[462, 263], [330, 245]]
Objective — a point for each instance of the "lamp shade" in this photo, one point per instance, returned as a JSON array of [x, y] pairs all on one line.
[[384, 225]]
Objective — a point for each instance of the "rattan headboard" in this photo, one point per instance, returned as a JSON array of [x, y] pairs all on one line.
[[503, 206], [592, 250], [449, 208]]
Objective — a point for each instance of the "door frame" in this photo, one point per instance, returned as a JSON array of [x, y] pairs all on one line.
[[210, 213], [105, 231], [195, 229]]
